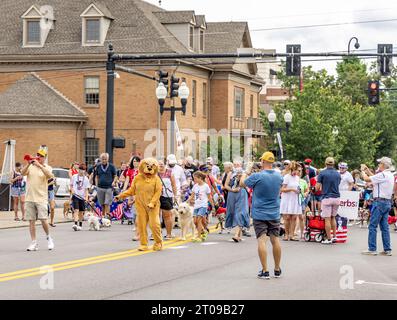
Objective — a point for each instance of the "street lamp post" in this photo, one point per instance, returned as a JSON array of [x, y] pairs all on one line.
[[183, 94], [356, 45], [272, 117]]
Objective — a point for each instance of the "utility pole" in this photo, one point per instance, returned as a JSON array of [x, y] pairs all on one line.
[[110, 67]]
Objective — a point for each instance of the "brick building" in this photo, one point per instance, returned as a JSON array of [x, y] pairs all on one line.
[[53, 77]]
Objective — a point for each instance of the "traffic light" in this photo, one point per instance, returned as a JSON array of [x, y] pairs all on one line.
[[293, 62], [373, 93], [385, 61], [174, 86], [163, 78]]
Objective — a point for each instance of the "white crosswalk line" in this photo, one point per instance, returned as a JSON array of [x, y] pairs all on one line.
[[178, 248], [209, 243]]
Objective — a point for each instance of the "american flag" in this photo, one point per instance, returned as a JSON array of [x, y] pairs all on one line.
[[116, 210]]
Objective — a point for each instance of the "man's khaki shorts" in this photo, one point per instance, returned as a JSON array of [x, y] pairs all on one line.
[[36, 211]]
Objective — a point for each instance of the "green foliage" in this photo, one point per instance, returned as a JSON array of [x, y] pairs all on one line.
[[331, 116]]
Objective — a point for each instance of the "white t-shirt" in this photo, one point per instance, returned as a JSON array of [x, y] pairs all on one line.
[[383, 184], [180, 177], [346, 179], [216, 172], [80, 185], [201, 195], [291, 182]]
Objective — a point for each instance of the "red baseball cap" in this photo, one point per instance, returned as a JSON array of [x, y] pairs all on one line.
[[308, 161]]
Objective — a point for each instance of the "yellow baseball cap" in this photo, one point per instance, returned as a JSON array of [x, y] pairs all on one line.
[[42, 153], [268, 157]]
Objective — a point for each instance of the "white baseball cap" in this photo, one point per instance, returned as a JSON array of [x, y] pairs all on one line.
[[210, 160], [189, 159], [171, 159]]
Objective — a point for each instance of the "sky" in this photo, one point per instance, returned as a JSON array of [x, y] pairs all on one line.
[[262, 14]]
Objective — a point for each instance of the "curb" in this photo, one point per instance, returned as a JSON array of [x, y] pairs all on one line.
[[27, 226]]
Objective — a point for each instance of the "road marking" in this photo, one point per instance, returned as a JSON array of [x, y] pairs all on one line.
[[178, 248], [376, 283], [209, 243], [89, 261]]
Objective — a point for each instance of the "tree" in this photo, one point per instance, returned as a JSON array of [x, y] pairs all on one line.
[[331, 116]]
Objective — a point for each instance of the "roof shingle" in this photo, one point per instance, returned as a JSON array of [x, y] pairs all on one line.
[[33, 97]]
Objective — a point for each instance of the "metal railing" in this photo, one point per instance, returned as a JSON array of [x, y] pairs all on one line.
[[253, 124]]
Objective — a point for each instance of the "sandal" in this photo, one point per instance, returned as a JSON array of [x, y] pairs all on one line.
[[17, 219], [294, 239], [52, 225], [285, 239], [235, 240]]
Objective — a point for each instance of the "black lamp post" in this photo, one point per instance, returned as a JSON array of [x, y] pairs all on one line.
[[272, 117], [356, 45]]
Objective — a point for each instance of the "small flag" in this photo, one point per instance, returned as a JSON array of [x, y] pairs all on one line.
[[178, 135]]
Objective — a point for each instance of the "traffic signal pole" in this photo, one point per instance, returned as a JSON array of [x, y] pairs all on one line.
[[384, 57], [110, 67]]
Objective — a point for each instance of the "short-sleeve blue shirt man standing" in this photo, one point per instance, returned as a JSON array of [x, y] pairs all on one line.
[[266, 187]]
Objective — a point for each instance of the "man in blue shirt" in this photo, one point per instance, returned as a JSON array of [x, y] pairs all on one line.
[[328, 182], [106, 179], [266, 187]]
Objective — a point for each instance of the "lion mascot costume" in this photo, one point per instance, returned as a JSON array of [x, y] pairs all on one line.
[[146, 188]]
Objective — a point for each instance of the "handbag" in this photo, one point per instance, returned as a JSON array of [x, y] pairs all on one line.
[[174, 202]]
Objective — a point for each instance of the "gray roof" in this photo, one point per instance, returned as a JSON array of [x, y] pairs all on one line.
[[224, 37], [32, 97], [135, 29], [174, 17], [102, 6], [200, 20]]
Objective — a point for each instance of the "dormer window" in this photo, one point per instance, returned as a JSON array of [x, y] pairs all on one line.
[[95, 25], [201, 40], [93, 31], [191, 37], [33, 32], [37, 24]]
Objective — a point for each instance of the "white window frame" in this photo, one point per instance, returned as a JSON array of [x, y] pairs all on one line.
[[93, 105], [85, 30]]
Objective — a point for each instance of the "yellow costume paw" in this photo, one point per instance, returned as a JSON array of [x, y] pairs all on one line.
[[143, 248]]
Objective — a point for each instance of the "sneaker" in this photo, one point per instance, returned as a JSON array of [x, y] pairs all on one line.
[[79, 228], [277, 273], [386, 253], [264, 275], [204, 236], [75, 227], [246, 234], [33, 246], [50, 243], [326, 241], [369, 253], [334, 240]]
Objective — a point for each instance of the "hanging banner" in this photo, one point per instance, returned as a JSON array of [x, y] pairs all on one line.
[[179, 143], [280, 144], [349, 204]]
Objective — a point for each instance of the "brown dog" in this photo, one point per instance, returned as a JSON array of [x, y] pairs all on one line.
[[66, 209]]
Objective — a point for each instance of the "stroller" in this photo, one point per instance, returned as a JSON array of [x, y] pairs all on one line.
[[129, 214], [315, 228]]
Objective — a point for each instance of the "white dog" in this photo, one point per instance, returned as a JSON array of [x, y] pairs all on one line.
[[95, 223], [185, 219]]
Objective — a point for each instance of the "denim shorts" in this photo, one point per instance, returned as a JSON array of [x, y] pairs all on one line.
[[51, 195], [200, 212], [17, 192]]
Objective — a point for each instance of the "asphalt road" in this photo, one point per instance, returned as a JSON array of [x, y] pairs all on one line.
[[218, 269]]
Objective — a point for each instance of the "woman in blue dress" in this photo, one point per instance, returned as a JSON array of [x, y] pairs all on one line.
[[237, 214]]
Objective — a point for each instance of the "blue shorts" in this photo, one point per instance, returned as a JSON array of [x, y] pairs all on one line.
[[200, 212], [51, 195], [17, 192]]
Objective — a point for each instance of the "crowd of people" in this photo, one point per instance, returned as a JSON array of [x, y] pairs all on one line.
[[273, 197]]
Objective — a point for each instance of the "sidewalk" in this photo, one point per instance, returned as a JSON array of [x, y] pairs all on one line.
[[7, 219]]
